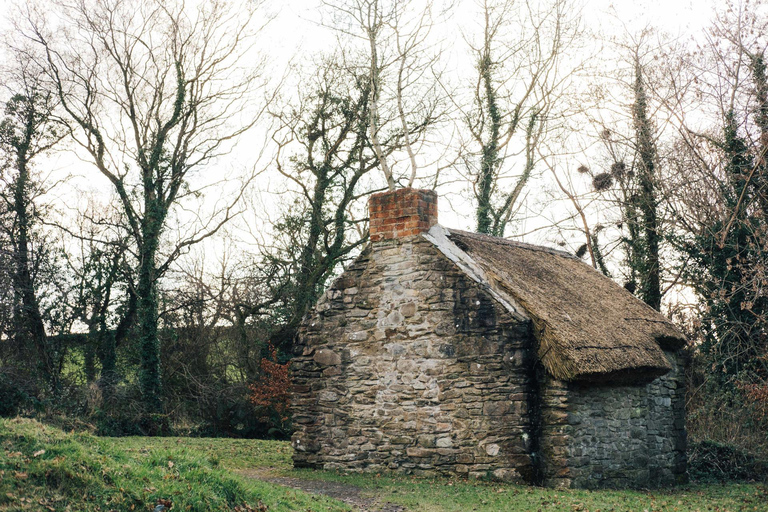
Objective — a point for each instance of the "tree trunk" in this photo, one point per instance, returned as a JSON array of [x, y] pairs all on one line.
[[109, 343], [490, 150], [650, 272], [29, 319], [147, 310], [310, 272]]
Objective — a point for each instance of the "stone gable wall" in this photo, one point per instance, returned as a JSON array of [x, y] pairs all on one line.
[[597, 436], [409, 366]]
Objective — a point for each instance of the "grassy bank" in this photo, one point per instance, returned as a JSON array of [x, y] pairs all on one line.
[[43, 468]]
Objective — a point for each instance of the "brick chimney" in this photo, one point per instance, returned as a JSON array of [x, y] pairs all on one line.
[[402, 212]]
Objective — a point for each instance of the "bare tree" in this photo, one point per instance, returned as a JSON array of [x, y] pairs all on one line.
[[721, 163], [327, 155], [632, 175], [519, 75], [400, 61], [155, 91]]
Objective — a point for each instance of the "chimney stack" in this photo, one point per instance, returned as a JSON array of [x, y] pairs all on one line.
[[402, 212]]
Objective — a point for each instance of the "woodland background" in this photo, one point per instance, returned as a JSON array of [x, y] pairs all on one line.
[[175, 193]]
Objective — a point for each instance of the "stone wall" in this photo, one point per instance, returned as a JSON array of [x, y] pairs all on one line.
[[597, 436], [409, 366]]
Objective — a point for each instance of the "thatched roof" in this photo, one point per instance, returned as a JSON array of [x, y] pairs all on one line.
[[588, 327]]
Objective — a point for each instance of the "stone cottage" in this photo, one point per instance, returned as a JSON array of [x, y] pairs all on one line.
[[445, 352]]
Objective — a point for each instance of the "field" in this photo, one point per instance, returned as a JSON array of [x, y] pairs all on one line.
[[43, 468]]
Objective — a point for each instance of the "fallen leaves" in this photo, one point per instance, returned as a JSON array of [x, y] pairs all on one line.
[[260, 507], [168, 504]]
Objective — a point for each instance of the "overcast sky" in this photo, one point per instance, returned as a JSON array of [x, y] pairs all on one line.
[[295, 34]]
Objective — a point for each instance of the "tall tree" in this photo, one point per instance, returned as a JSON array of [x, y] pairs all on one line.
[[519, 75], [647, 203], [635, 172], [155, 92], [722, 209], [27, 130], [390, 40], [333, 154]]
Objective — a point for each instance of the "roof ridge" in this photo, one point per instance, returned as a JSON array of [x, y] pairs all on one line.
[[513, 243]]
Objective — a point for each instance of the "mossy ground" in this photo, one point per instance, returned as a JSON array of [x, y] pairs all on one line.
[[43, 468]]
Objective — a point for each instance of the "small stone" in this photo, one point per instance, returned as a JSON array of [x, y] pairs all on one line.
[[426, 441], [465, 458], [331, 371], [327, 396], [358, 336], [418, 453], [327, 357], [506, 475], [408, 310], [495, 408]]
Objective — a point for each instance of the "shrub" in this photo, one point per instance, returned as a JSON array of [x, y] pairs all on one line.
[[11, 397], [711, 461], [271, 394], [756, 396]]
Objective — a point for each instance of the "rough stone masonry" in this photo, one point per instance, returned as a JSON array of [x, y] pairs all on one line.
[[411, 364]]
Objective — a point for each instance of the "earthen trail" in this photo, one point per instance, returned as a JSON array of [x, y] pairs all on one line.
[[360, 499]]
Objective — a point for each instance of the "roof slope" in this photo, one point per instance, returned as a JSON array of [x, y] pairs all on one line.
[[588, 327]]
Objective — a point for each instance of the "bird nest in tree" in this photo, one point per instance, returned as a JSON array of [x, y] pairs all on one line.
[[602, 182]]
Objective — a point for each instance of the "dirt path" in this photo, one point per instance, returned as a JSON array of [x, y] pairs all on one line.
[[360, 499]]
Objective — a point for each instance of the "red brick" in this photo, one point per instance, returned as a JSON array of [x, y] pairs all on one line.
[[402, 212]]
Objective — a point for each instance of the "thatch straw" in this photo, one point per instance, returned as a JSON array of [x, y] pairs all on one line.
[[588, 327]]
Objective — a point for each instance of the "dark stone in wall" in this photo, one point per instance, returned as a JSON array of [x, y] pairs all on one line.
[[599, 436]]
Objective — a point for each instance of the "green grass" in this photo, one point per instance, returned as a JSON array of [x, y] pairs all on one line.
[[444, 495], [43, 468], [80, 472], [448, 495], [234, 454]]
